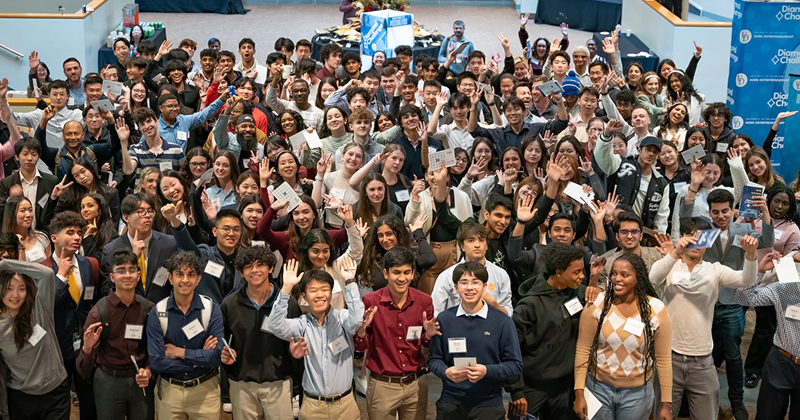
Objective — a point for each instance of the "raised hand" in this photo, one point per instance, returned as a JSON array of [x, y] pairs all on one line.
[[525, 210], [91, 228], [137, 246], [369, 314], [547, 138], [3, 89], [733, 153], [698, 50], [47, 115], [60, 188], [165, 48], [612, 127], [33, 60], [475, 97], [600, 214], [345, 212], [219, 74], [555, 45], [478, 167], [279, 204], [564, 29], [554, 170], [665, 244], [362, 227], [290, 276], [488, 94], [683, 242], [431, 326], [750, 245], [609, 47], [418, 223], [503, 41], [298, 349], [441, 99], [123, 132], [785, 114], [264, 172], [586, 166], [523, 19], [323, 163], [172, 212], [698, 176], [612, 201], [91, 336], [331, 202], [417, 186]]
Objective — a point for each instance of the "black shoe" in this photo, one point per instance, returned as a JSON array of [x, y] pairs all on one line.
[[751, 380], [739, 410]]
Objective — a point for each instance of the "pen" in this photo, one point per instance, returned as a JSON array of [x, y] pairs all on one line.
[[136, 365]]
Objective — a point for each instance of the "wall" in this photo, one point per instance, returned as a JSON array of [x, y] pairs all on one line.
[[56, 39], [676, 42], [41, 6]]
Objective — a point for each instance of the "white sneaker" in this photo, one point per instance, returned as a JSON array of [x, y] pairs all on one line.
[[296, 406], [227, 407]]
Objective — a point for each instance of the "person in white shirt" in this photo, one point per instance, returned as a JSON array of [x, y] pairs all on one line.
[[472, 240], [456, 133], [690, 287], [249, 67]]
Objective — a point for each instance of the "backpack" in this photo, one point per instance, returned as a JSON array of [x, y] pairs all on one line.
[[205, 315], [103, 309]]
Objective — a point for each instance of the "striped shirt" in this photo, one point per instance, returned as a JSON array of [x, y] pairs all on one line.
[[781, 296], [170, 154]]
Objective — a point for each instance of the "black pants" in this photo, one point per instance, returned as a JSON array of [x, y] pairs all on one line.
[[766, 323], [674, 6], [83, 389], [448, 411], [780, 383], [51, 406], [120, 397], [552, 401]]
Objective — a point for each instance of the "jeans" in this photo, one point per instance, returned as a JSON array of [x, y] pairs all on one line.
[[727, 332], [697, 377], [632, 403], [779, 384]]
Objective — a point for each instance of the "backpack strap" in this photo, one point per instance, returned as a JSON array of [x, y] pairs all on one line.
[[161, 312], [146, 306], [102, 313], [205, 315], [95, 271]]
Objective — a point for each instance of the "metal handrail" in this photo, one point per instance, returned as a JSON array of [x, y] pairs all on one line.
[[12, 51]]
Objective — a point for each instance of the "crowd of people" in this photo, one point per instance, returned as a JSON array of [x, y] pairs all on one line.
[[195, 249]]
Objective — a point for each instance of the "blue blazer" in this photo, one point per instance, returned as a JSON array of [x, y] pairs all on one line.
[[69, 316], [161, 248]]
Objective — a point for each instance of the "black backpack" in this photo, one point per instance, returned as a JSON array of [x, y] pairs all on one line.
[[102, 312]]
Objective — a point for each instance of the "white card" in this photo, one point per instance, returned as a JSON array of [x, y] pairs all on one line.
[[88, 293], [722, 147], [214, 269], [285, 192], [448, 156], [164, 166], [338, 345], [337, 287], [112, 87], [103, 105], [133, 331], [297, 140], [161, 277], [182, 135], [312, 140], [634, 327], [258, 243], [216, 202], [793, 312], [461, 363], [592, 403], [688, 155], [414, 333], [36, 336], [35, 255], [35, 87], [265, 324], [402, 195], [573, 306], [786, 270], [192, 329], [338, 193], [43, 200], [456, 345], [679, 185], [681, 277]]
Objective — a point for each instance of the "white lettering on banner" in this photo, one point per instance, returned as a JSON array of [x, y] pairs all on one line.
[[786, 56]]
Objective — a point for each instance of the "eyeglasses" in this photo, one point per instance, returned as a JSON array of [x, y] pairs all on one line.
[[470, 283], [630, 232], [176, 106], [460, 159], [227, 229], [122, 272], [145, 213], [198, 164]]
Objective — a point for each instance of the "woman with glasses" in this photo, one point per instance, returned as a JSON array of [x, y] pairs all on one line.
[[197, 162]]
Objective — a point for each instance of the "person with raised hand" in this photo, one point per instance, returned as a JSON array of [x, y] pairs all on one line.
[[259, 364], [690, 289], [328, 376]]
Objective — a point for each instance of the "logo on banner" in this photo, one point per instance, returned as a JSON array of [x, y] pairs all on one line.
[[737, 123], [786, 57], [789, 13], [745, 36], [796, 84], [741, 80]]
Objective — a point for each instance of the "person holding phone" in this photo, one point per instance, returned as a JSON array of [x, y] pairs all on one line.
[[462, 46]]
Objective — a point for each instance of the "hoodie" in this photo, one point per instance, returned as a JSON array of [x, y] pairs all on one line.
[[547, 334]]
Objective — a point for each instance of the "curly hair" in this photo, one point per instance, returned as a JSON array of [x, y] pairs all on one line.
[[643, 290], [558, 257], [251, 254], [186, 259]]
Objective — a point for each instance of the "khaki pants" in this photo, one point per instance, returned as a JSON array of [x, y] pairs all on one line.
[[387, 401], [344, 409], [446, 256], [175, 402], [268, 400]]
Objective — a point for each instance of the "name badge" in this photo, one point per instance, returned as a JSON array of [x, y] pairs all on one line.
[[722, 147], [35, 255], [36, 337], [43, 200], [182, 135], [192, 329], [161, 277], [778, 234], [258, 243], [164, 166], [634, 327], [414, 333], [737, 241], [265, 324], [214, 269], [457, 345], [88, 293], [573, 306], [681, 278], [793, 312], [338, 345], [402, 195], [71, 101], [133, 331], [338, 193], [216, 202]]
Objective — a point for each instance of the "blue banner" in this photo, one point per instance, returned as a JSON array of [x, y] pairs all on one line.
[[764, 51], [373, 34]]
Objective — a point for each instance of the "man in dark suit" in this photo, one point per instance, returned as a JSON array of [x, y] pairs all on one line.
[[77, 278], [28, 181], [151, 248]]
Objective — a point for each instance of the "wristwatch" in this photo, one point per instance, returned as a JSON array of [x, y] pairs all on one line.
[[349, 281]]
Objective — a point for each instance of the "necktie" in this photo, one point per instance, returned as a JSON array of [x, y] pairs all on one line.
[[143, 267], [72, 283]]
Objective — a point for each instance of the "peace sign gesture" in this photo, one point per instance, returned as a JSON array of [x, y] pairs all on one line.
[[60, 188]]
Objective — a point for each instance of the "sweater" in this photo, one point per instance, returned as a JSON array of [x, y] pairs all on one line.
[[492, 341], [260, 356], [620, 358]]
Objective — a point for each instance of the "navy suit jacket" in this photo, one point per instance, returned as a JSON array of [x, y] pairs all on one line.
[[69, 316], [161, 248]]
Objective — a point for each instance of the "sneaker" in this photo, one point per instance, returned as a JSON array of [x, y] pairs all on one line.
[[751, 380], [296, 406], [228, 407], [739, 410]]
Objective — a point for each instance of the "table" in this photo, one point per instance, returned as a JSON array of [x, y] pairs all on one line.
[[106, 55], [228, 7], [320, 41], [629, 45], [584, 15]]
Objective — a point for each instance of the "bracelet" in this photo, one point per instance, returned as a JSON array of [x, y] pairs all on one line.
[[318, 178], [490, 103], [694, 191]]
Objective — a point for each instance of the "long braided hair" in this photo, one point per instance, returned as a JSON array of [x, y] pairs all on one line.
[[643, 289]]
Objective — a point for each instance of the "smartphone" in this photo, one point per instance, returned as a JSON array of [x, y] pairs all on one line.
[[496, 57]]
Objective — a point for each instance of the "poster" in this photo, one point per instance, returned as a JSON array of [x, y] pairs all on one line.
[[384, 30]]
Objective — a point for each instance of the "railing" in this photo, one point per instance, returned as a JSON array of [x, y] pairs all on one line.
[[11, 50], [676, 21], [77, 15]]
